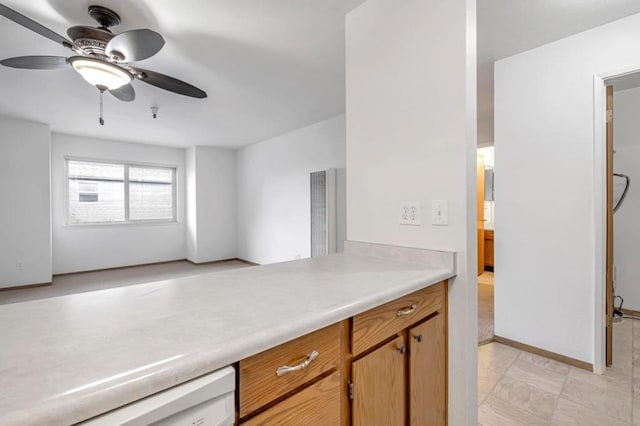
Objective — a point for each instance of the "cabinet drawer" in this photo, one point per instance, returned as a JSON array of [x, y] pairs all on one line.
[[319, 404], [378, 324], [259, 383]]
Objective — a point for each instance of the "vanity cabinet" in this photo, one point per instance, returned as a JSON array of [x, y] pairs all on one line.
[[488, 250], [386, 366]]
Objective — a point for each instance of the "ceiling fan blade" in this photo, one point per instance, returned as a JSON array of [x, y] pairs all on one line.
[[168, 83], [135, 45], [36, 62], [124, 93], [32, 25]]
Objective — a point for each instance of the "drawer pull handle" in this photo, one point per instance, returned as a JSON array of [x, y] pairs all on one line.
[[304, 364], [402, 349], [418, 338], [407, 311]]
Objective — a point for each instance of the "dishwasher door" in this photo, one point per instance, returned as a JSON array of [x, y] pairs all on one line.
[[205, 401]]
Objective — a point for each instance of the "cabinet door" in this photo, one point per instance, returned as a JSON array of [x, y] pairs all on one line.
[[379, 386], [319, 404], [428, 373]]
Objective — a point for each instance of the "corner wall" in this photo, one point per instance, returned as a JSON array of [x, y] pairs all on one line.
[[211, 199], [84, 248], [411, 135], [545, 278], [274, 219], [25, 206]]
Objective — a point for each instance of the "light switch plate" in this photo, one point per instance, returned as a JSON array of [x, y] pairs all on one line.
[[440, 213], [410, 213]]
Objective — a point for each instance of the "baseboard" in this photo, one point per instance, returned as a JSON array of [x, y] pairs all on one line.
[[221, 261], [247, 261], [210, 262], [485, 341], [22, 287], [488, 268], [120, 267], [542, 352]]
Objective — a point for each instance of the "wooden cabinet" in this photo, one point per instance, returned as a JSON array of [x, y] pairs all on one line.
[[386, 366], [259, 382], [372, 327], [303, 374], [488, 250], [428, 373], [407, 372], [379, 391], [318, 404]]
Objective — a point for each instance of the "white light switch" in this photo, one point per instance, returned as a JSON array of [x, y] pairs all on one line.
[[410, 213], [440, 213]]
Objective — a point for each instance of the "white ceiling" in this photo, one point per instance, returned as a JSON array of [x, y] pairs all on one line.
[[507, 27], [268, 66]]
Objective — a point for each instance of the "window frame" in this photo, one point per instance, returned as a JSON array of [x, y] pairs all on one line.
[[127, 221]]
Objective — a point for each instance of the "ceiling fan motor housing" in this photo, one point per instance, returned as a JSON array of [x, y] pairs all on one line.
[[105, 17], [89, 39], [102, 58]]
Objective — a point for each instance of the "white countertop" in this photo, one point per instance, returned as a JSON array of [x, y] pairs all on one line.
[[66, 359]]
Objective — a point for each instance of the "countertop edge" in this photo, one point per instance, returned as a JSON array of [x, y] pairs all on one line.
[[203, 362]]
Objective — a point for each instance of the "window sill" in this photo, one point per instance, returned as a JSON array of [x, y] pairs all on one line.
[[120, 224]]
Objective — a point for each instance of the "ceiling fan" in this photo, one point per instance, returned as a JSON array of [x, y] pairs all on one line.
[[101, 57]]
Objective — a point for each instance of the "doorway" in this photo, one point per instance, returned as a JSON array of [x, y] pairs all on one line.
[[618, 295], [486, 233]]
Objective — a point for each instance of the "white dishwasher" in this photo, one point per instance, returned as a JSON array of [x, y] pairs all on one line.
[[205, 401]]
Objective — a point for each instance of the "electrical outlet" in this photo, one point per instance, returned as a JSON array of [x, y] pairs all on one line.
[[440, 213], [19, 265], [410, 213]]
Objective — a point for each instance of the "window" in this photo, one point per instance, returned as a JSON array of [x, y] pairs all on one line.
[[101, 192]]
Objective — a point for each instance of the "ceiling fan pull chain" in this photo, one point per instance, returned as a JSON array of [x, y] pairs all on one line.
[[101, 120]]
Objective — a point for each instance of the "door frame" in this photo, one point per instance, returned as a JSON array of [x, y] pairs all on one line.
[[600, 209]]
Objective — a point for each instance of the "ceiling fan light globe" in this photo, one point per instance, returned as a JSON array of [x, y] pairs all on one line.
[[100, 73]]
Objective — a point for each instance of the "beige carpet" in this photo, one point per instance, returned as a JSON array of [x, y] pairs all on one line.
[[100, 280], [485, 308]]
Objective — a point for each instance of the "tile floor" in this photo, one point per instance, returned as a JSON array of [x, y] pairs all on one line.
[[485, 307], [519, 388], [100, 280]]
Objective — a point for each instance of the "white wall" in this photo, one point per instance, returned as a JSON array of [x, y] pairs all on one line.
[[87, 247], [191, 199], [211, 199], [626, 136], [411, 135], [274, 219], [25, 213], [545, 280]]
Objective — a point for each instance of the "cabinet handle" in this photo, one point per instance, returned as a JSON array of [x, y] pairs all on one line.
[[418, 338], [401, 349], [281, 371], [407, 311]]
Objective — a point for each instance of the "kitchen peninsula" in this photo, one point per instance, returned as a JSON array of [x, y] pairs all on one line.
[[68, 359]]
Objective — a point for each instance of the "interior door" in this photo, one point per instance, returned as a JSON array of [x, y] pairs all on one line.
[[609, 298], [428, 373], [480, 173], [379, 386]]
